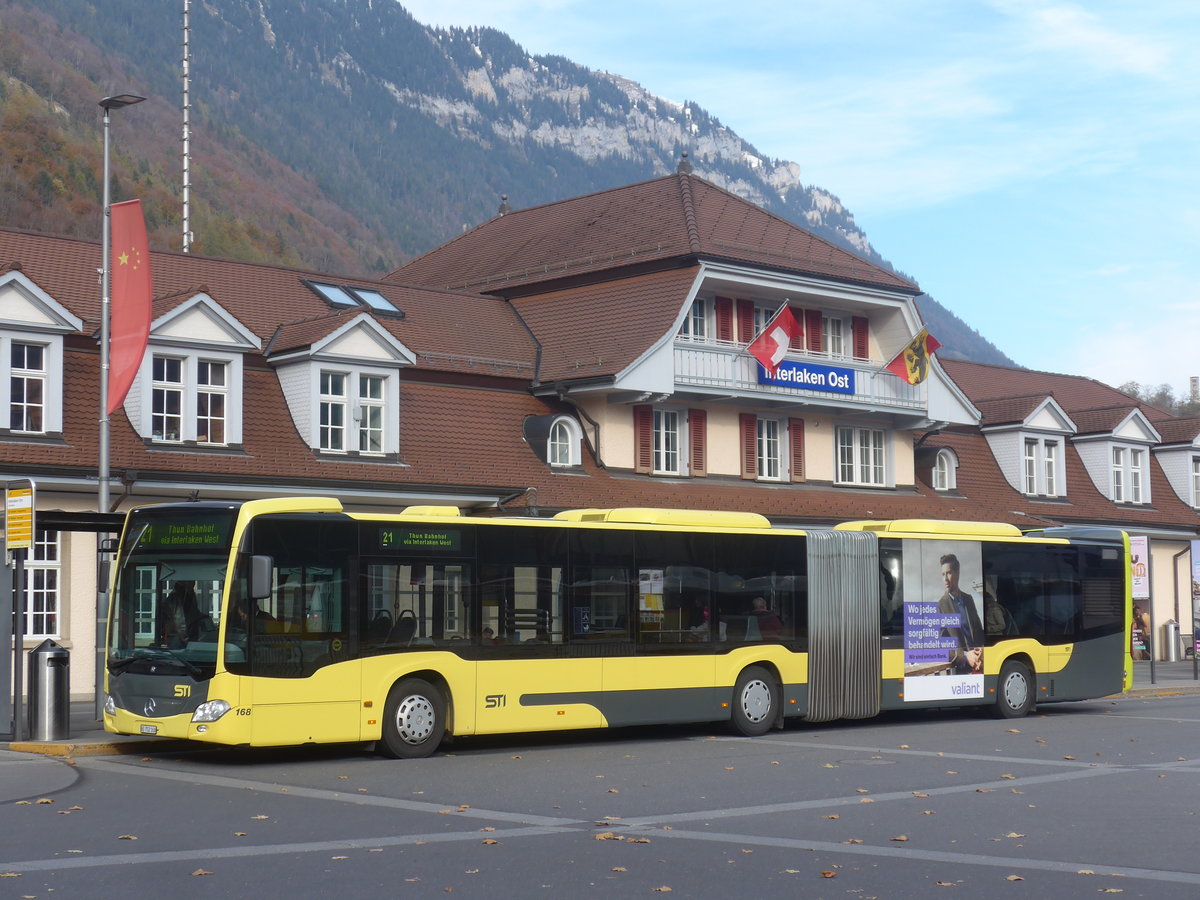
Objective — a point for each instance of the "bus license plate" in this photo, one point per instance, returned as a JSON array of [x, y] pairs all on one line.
[[149, 729]]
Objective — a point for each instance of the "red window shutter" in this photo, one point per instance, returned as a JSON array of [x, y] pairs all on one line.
[[796, 439], [812, 329], [697, 441], [858, 327], [643, 439], [745, 320], [748, 423], [724, 307], [798, 339]]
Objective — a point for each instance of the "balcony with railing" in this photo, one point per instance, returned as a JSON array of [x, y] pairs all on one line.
[[725, 368]]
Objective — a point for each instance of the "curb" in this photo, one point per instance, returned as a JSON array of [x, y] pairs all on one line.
[[95, 748]]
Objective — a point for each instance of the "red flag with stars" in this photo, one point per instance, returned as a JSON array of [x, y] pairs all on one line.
[[131, 294]]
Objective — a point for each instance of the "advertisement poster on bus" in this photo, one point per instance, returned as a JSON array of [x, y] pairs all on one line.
[[943, 621], [1196, 596]]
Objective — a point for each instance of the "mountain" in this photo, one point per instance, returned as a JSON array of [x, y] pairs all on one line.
[[345, 136]]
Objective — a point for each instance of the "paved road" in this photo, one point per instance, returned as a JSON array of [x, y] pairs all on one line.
[[1078, 800]]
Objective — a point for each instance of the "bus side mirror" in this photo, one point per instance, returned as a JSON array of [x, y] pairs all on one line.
[[261, 568]]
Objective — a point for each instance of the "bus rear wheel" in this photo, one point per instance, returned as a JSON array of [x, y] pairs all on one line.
[[414, 719], [1014, 690], [756, 701]]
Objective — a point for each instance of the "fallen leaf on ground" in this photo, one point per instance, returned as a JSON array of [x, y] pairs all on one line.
[[126, 837], [828, 874], [1013, 878], [900, 837], [202, 872]]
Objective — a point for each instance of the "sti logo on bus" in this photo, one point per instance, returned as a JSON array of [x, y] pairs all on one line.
[[495, 701], [183, 690]]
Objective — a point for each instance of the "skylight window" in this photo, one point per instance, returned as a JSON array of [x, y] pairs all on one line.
[[375, 300], [344, 296]]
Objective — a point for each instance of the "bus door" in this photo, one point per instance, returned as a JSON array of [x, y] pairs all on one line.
[[299, 644], [845, 658], [531, 677]]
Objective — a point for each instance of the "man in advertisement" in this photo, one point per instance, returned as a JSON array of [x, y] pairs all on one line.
[[967, 659]]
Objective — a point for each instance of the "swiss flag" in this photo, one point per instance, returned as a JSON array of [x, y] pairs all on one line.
[[775, 338]]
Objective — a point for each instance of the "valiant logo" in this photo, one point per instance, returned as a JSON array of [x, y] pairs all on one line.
[[968, 689]]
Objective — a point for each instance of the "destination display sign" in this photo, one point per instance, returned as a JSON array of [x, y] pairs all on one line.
[[421, 540]]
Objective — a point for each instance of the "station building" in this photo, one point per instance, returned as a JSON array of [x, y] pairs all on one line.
[[586, 353]]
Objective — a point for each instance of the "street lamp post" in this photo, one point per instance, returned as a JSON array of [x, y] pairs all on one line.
[[108, 104]]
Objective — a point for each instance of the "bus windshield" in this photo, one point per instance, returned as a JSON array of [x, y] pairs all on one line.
[[166, 600]]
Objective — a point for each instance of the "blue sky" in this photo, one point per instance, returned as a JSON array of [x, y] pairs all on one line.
[[1034, 164]]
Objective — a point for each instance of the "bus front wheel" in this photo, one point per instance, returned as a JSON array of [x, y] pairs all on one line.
[[414, 719], [756, 701], [1014, 690]]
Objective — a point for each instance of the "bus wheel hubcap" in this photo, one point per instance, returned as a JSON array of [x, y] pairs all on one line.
[[415, 719], [1016, 692], [756, 701]]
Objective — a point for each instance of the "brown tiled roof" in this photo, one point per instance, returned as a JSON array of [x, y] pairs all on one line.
[[1100, 421], [622, 318], [981, 381], [1179, 431], [446, 329], [670, 218], [1008, 410]]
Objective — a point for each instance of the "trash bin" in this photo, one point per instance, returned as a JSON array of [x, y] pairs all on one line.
[[1172, 636], [49, 692]]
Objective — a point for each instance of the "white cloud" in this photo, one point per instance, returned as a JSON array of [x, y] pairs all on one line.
[[1058, 28]]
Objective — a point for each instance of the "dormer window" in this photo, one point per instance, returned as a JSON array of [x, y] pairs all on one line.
[[1043, 459], [27, 388], [1196, 481], [188, 399], [562, 446], [1128, 474], [945, 471]]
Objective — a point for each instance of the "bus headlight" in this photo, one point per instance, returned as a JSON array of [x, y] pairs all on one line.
[[210, 711], [110, 705]]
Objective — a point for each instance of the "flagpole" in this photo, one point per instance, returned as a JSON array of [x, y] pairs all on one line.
[[108, 104]]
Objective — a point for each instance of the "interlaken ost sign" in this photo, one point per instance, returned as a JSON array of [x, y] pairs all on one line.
[[809, 376]]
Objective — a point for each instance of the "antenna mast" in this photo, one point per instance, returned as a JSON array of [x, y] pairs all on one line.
[[187, 132]]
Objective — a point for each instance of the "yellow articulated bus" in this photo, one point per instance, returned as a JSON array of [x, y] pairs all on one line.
[[290, 621]]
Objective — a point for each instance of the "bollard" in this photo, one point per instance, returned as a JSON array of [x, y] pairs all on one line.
[[49, 692]]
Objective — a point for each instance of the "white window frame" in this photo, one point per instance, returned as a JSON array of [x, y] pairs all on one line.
[[695, 323], [1129, 475], [51, 375], [43, 587], [668, 433], [330, 402], [162, 388], [27, 376], [1043, 467], [1196, 481], [833, 332], [862, 456], [361, 416], [192, 362], [371, 413], [770, 443], [209, 395], [563, 443], [945, 471]]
